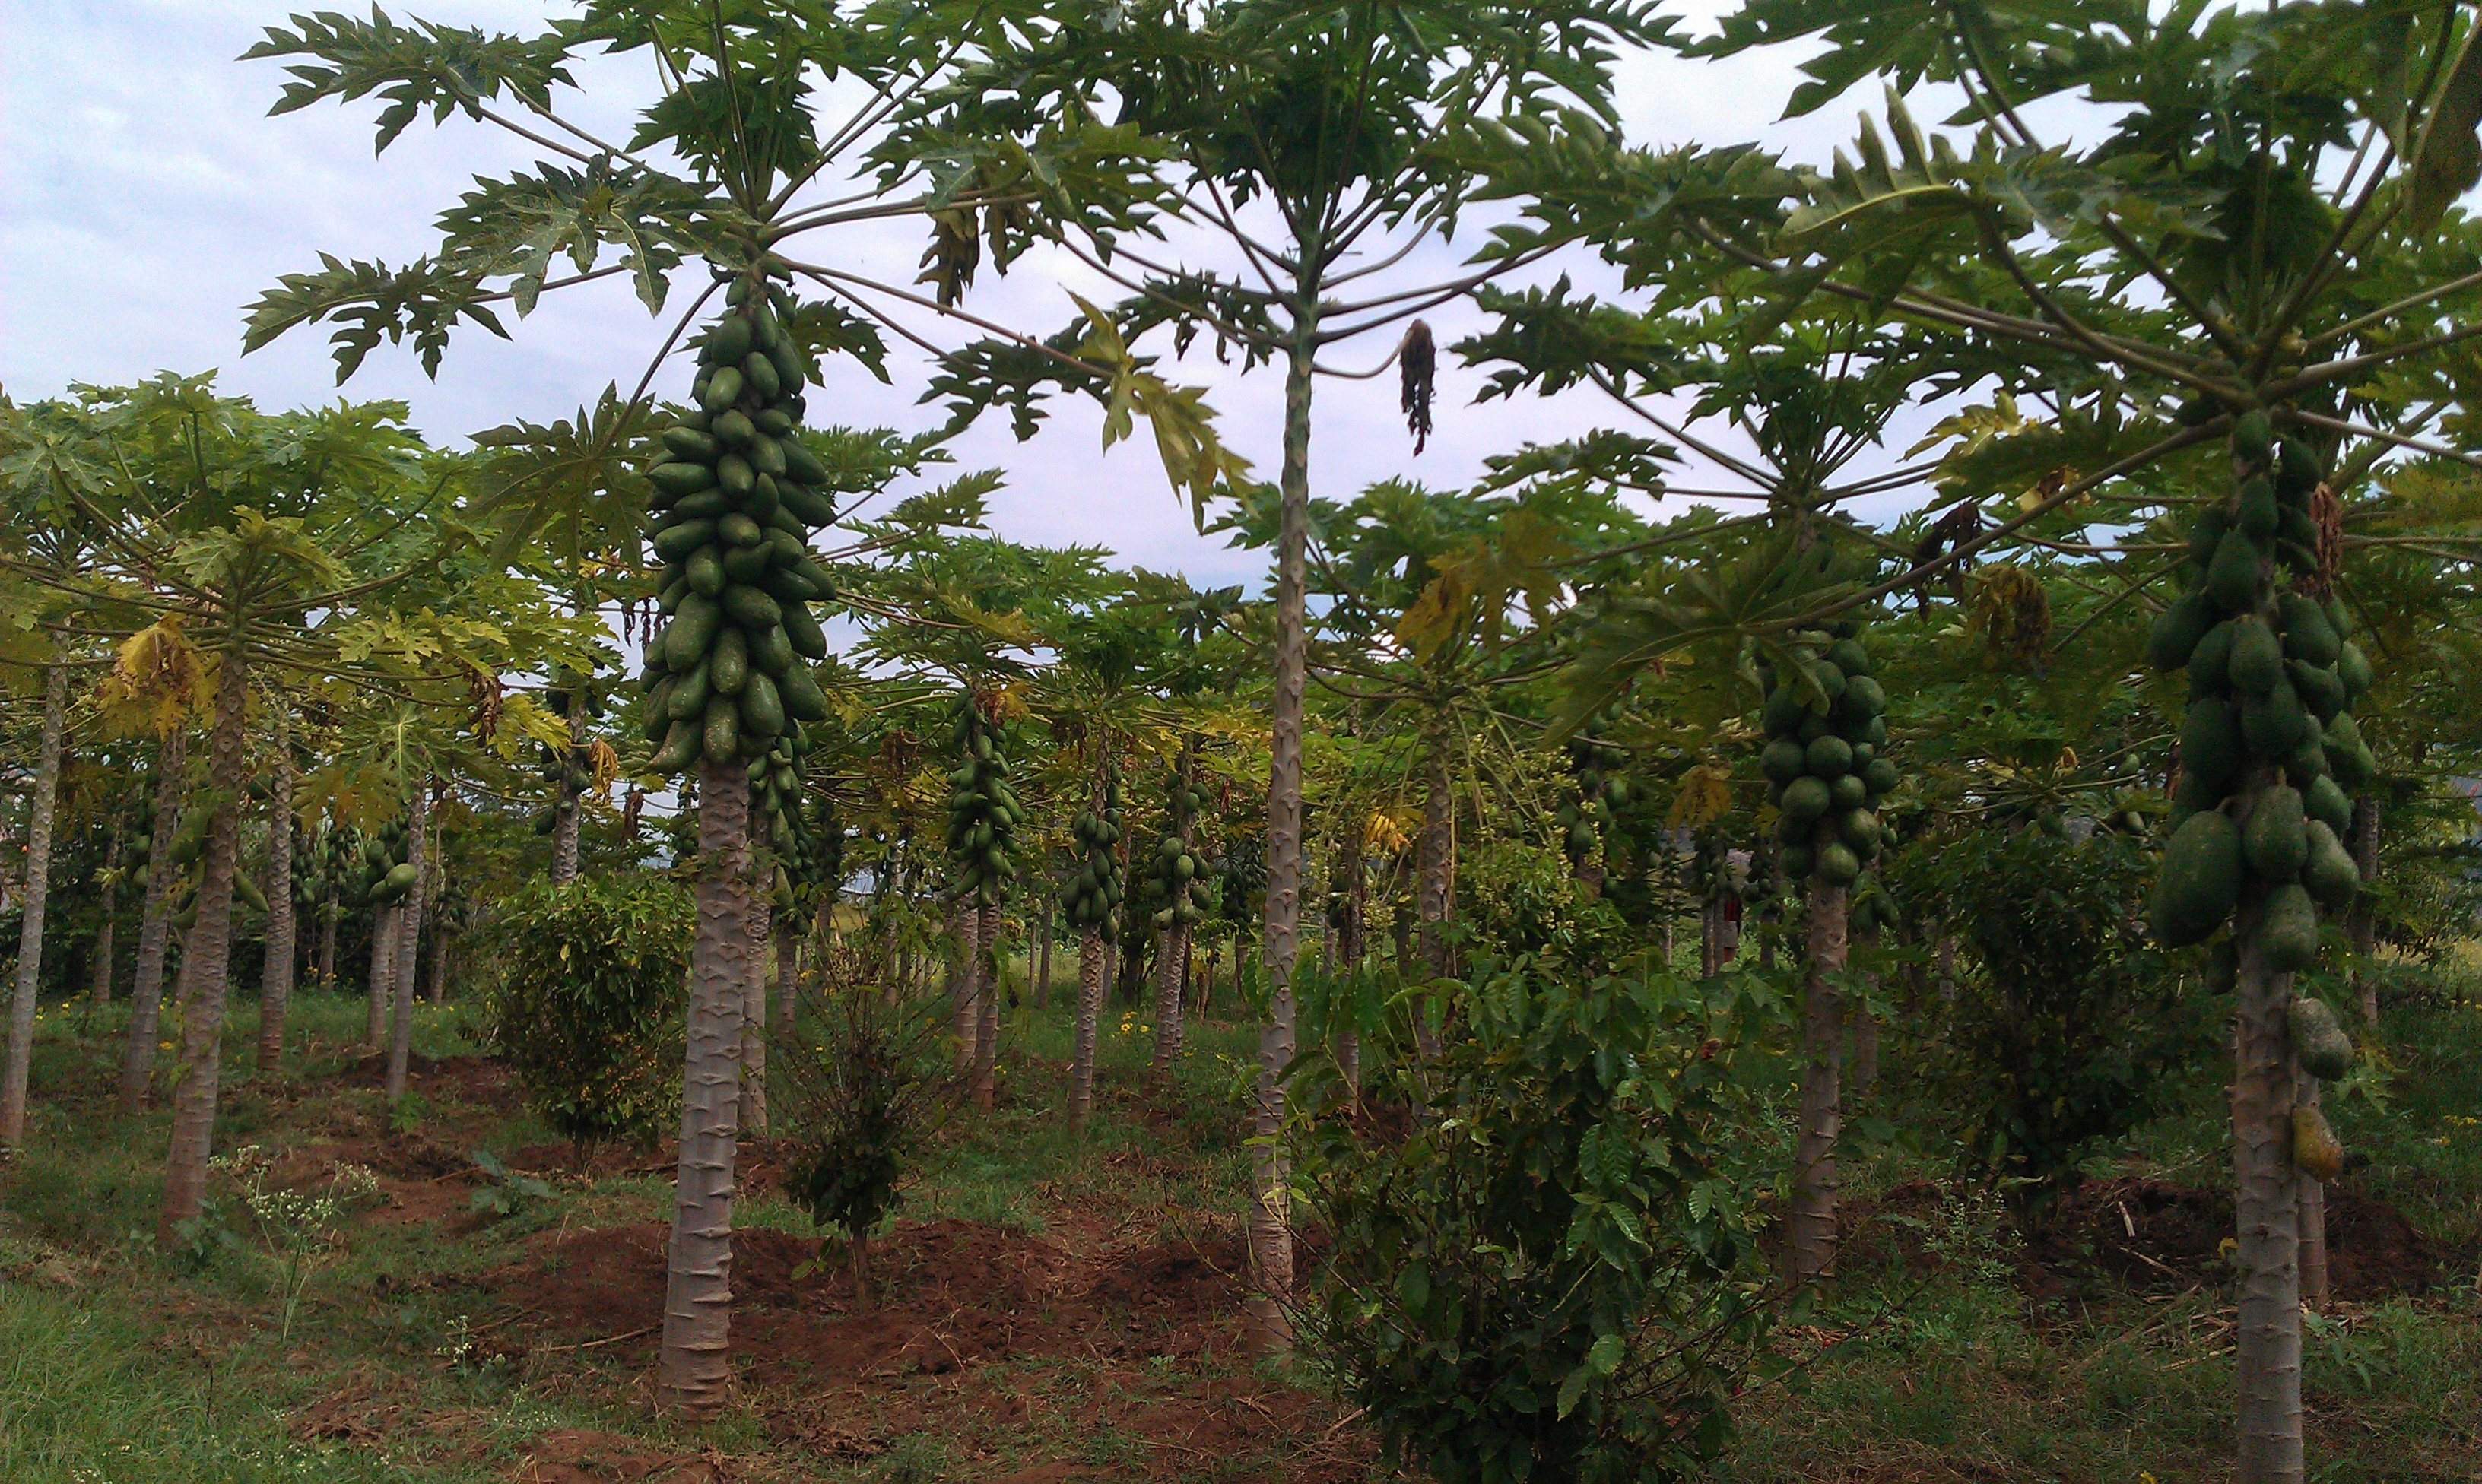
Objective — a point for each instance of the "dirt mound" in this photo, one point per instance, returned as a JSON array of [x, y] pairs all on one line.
[[575, 1456], [1177, 1282], [467, 1079], [2152, 1234]]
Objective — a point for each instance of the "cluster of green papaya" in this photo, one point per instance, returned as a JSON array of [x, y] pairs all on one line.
[[776, 790], [181, 858], [983, 810], [1176, 874], [2269, 747], [1092, 894], [1826, 726], [1600, 791], [387, 873], [810, 852], [735, 504], [566, 771]]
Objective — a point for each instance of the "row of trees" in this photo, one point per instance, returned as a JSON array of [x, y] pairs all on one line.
[[2263, 249]]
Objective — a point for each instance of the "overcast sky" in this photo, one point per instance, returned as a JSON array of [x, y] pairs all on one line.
[[149, 199]]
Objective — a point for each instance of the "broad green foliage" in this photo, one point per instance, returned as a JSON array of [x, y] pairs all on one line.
[[1551, 1278], [586, 1005], [2066, 1029]]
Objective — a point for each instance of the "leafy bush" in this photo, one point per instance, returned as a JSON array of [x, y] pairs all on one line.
[[860, 1106], [589, 1001], [2069, 1027], [1551, 1278]]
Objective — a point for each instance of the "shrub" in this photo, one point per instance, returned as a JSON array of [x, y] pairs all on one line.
[[859, 1105], [588, 1003], [1550, 1278], [2068, 1028]]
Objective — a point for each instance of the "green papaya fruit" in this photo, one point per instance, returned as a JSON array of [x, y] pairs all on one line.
[[804, 701], [1782, 713], [1863, 699], [1813, 726], [747, 566], [2205, 535], [2319, 689], [1797, 860], [728, 663], [2347, 755], [790, 374], [2306, 762], [760, 373], [811, 506], [2329, 873], [1828, 757], [2297, 470], [705, 504], [2233, 577], [775, 422], [723, 389], [2287, 930], [2353, 668], [2325, 1051], [739, 530], [1838, 865], [704, 572], [2256, 508], [1881, 776], [2256, 662], [2254, 436], [1829, 680], [673, 480], [721, 733], [1782, 761], [400, 879], [766, 498], [767, 456], [2294, 528], [2177, 631], [1849, 791], [2210, 742], [733, 429], [689, 695], [674, 543], [2272, 839], [2308, 636], [2273, 724], [247, 890], [693, 446], [771, 651], [2324, 800], [2199, 881], [803, 464], [1859, 828], [1848, 655], [2209, 662], [2316, 1151], [733, 474], [727, 341], [762, 710], [802, 631], [1875, 734], [751, 608], [692, 630], [657, 719]]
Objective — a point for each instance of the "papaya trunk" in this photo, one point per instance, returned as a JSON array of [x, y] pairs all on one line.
[[2267, 1200], [2314, 1216], [1809, 1227], [987, 1004], [1710, 936], [328, 913], [694, 1371], [1271, 1227], [100, 988], [964, 923], [1351, 929], [788, 977], [30, 928], [437, 974], [2363, 925], [408, 940], [1043, 971], [565, 810], [1090, 1006], [276, 975], [1172, 956], [154, 926], [205, 956], [383, 959], [752, 1114]]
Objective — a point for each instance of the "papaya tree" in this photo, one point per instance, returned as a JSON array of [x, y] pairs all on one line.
[[737, 166], [1334, 123]]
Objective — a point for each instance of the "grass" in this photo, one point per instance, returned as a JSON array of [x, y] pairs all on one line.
[[411, 1361]]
